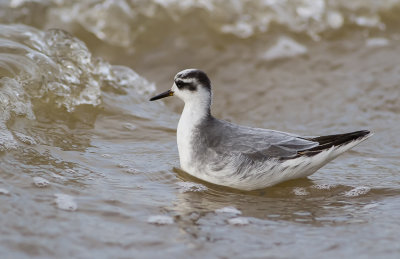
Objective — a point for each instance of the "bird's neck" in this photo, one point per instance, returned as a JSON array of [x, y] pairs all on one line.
[[194, 113]]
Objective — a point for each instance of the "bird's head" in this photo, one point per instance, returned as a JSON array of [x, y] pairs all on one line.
[[191, 86]]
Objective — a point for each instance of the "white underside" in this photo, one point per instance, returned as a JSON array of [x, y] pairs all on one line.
[[261, 175]]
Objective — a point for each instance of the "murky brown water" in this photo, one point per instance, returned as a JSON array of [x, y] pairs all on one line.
[[89, 168]]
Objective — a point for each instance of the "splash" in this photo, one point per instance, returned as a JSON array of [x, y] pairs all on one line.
[[54, 70]]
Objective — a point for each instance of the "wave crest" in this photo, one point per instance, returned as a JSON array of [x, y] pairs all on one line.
[[55, 69]]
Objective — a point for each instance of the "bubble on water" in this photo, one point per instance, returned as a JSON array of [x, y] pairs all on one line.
[[132, 170], [65, 202], [358, 191], [335, 20], [160, 220], [4, 191], [377, 42], [191, 187], [129, 126], [229, 210], [284, 48], [40, 182], [239, 221], [300, 191]]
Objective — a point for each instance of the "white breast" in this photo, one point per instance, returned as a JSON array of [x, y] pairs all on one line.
[[190, 118]]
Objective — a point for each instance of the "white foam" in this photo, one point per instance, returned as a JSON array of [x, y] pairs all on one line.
[[40, 182], [358, 191], [239, 221], [300, 191], [160, 220], [65, 202], [229, 210], [4, 191], [191, 187], [284, 48], [323, 186]]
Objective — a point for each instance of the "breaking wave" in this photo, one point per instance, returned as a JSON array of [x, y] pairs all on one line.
[[122, 23], [55, 70]]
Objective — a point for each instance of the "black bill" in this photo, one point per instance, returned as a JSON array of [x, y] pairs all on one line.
[[162, 95]]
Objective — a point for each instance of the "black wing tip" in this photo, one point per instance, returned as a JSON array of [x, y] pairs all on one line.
[[326, 142], [361, 133]]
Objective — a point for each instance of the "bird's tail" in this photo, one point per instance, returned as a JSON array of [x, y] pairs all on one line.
[[327, 142]]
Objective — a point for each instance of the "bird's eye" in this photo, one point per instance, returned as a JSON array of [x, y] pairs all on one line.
[[179, 84]]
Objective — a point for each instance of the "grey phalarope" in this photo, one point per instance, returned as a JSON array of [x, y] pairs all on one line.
[[242, 157]]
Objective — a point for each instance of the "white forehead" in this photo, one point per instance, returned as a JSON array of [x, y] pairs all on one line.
[[185, 72]]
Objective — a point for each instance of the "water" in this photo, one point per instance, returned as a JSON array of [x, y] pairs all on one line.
[[89, 168]]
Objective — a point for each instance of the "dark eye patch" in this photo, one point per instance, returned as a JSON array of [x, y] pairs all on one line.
[[180, 84], [184, 85]]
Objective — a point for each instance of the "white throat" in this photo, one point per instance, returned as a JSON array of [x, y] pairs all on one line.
[[192, 115]]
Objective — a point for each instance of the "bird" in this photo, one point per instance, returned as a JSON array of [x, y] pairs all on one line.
[[241, 157]]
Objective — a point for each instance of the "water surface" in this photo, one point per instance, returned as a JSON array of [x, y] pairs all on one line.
[[90, 169]]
